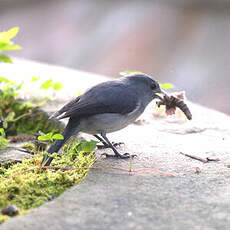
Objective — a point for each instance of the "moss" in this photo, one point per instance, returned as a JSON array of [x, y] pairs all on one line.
[[29, 146], [34, 188]]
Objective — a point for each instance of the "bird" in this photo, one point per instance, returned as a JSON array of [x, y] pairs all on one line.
[[104, 108]]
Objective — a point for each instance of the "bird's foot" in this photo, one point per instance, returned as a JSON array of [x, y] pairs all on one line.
[[122, 156], [106, 146]]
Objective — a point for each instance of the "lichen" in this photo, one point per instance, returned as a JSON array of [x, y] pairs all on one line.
[[33, 188]]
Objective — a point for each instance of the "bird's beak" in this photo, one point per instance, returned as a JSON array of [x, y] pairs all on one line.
[[160, 94]]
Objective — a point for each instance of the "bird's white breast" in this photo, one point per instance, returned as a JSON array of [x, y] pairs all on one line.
[[109, 122]]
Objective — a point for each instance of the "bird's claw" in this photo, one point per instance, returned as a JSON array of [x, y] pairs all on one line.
[[115, 144]]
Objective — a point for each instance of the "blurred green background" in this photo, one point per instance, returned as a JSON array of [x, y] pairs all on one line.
[[186, 43]]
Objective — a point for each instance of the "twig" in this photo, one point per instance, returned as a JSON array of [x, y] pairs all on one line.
[[19, 173], [204, 160], [95, 168], [213, 159], [195, 157], [112, 168]]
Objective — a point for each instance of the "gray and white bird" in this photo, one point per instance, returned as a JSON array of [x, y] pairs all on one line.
[[104, 108]]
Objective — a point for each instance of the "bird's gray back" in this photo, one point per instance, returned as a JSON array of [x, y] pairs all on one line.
[[107, 97]]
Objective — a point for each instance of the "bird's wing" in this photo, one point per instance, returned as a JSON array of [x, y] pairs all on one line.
[[108, 97]]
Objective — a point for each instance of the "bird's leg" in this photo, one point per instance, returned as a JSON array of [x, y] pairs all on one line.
[[117, 154], [105, 145], [70, 129]]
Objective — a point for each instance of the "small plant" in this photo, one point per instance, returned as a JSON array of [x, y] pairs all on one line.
[[86, 146], [50, 137], [3, 140], [6, 44], [11, 108], [77, 150], [20, 116], [17, 115], [49, 84]]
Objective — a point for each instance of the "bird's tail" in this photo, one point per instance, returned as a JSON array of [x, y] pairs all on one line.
[[71, 128]]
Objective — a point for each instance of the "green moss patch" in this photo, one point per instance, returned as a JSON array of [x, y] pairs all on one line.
[[34, 120], [33, 188], [20, 116]]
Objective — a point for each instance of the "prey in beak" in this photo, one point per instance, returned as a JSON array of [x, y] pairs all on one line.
[[160, 94]]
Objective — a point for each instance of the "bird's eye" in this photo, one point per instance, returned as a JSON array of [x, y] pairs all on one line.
[[153, 86]]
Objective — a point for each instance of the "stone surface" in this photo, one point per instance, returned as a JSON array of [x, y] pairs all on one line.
[[197, 197], [12, 154]]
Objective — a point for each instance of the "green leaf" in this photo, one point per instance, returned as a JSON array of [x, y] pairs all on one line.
[[17, 86], [10, 116], [42, 138], [166, 86], [54, 155], [4, 58], [45, 137], [2, 132], [7, 35], [57, 86], [58, 137], [3, 45], [47, 84], [3, 140], [33, 79], [9, 47], [130, 73], [87, 146], [3, 79], [1, 93], [41, 133], [49, 135], [5, 124]]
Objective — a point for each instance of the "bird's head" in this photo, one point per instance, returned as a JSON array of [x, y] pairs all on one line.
[[145, 85]]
